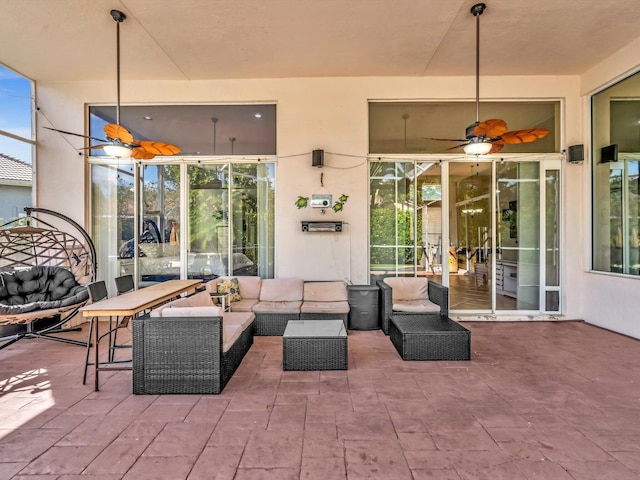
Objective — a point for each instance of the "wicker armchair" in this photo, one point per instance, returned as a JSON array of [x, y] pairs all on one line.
[[413, 295]]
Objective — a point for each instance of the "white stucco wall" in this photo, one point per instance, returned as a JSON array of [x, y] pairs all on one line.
[[326, 113], [610, 301]]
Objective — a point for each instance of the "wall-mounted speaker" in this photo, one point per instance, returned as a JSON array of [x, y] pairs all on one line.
[[575, 153], [317, 158], [609, 153]]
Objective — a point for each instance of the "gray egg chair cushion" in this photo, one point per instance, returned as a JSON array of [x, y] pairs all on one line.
[[39, 288]]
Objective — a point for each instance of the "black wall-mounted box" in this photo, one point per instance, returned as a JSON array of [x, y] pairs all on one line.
[[609, 153], [317, 158], [575, 153], [310, 226]]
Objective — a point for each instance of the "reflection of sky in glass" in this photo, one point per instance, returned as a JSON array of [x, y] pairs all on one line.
[[15, 105]]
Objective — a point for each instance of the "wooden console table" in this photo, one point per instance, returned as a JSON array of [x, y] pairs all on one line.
[[130, 304]]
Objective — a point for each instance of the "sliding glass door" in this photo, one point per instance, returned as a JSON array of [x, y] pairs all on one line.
[[494, 230], [405, 219], [517, 262], [470, 237]]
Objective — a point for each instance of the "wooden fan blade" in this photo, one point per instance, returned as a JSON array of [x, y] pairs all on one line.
[[446, 139], [496, 146], [140, 153], [457, 146], [95, 147], [491, 128], [118, 132], [77, 134], [158, 148], [515, 137]]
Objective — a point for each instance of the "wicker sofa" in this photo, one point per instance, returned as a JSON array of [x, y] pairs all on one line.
[[189, 346], [411, 295], [275, 301]]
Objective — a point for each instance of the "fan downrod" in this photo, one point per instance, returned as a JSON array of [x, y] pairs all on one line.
[[476, 10]]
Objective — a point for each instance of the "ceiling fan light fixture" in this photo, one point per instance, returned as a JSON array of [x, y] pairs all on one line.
[[118, 151], [477, 147]]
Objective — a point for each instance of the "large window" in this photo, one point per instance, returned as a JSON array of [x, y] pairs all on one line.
[[199, 130], [616, 161], [16, 144], [185, 217], [438, 127]]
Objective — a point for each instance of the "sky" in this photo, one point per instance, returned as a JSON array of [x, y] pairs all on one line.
[[15, 114]]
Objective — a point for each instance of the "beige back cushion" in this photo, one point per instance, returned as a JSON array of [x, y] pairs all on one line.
[[408, 288], [200, 299], [325, 292], [191, 312], [169, 311], [281, 290], [249, 286], [212, 285]]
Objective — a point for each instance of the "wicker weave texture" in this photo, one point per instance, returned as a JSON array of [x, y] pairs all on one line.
[[273, 324], [232, 358], [184, 355], [326, 316], [314, 353], [429, 337]]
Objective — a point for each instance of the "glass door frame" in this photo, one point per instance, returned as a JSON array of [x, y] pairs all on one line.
[[547, 162], [451, 205]]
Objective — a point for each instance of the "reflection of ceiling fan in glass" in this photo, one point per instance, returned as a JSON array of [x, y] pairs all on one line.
[[491, 135], [119, 142]]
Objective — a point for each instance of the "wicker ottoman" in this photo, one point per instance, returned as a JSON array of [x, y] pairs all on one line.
[[314, 345], [429, 337]]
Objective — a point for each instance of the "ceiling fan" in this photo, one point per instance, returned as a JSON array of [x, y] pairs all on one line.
[[489, 136], [119, 141]]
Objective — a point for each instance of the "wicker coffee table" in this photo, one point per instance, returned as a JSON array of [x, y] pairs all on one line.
[[429, 337], [314, 345]]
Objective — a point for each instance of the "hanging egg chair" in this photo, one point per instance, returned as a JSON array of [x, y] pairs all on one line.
[[44, 272]]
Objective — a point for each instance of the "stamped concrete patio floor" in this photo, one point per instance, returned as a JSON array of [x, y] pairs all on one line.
[[537, 401]]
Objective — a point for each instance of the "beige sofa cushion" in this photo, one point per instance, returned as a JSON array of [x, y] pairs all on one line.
[[325, 291], [243, 319], [249, 286], [416, 306], [200, 299], [212, 285], [282, 290], [244, 305], [277, 307], [324, 307], [170, 312], [408, 288], [230, 333]]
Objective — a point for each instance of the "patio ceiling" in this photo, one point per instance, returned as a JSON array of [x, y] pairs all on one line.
[[216, 39]]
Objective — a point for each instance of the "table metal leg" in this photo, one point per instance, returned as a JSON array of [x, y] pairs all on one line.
[[95, 347]]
